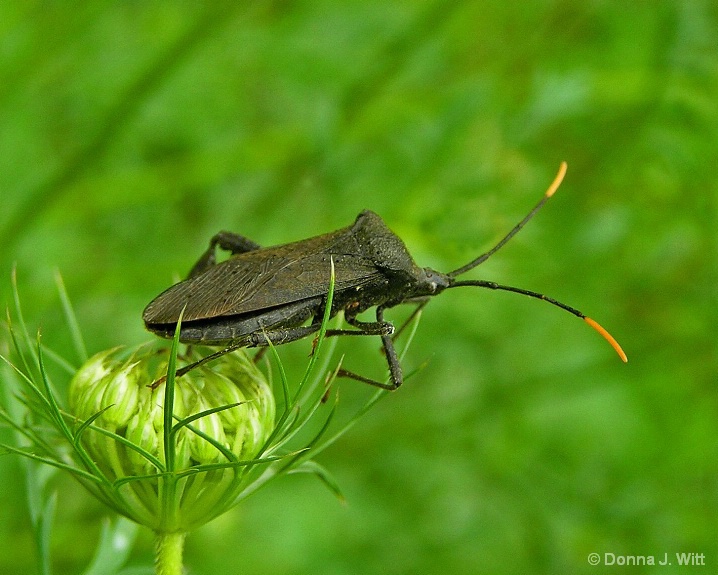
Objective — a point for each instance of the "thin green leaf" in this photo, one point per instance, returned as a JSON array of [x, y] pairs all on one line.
[[288, 404], [30, 385], [282, 435], [59, 360], [86, 424], [216, 444], [322, 473], [43, 532], [129, 445], [315, 441], [302, 418], [52, 462], [168, 434], [50, 395], [322, 329], [206, 467], [19, 350], [35, 435], [71, 318], [137, 571], [21, 322], [149, 476], [113, 549], [195, 416], [283, 428], [372, 401]]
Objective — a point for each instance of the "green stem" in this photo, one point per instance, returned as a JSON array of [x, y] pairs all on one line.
[[168, 560]]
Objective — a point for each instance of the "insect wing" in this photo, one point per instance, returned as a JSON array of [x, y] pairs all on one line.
[[266, 278]]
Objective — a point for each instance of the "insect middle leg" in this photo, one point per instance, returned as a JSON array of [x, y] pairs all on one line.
[[379, 327], [280, 336], [261, 339], [362, 327]]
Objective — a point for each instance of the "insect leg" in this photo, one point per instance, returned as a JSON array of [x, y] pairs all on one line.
[[395, 373], [369, 327], [228, 241], [397, 378], [260, 354], [280, 336], [257, 339], [363, 328], [180, 372], [420, 303]]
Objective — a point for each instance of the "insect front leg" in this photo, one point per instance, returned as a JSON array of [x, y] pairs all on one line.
[[395, 373], [228, 241], [420, 303]]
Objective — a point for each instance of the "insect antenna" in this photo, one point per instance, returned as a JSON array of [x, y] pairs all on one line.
[[517, 228], [593, 323], [495, 286]]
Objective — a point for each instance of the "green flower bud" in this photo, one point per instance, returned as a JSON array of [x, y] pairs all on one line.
[[142, 433], [120, 396], [201, 449], [134, 413], [83, 390]]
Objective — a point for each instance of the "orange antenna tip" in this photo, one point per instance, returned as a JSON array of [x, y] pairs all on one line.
[[557, 180], [608, 337]]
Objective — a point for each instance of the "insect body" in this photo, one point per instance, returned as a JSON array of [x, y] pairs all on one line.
[[277, 294]]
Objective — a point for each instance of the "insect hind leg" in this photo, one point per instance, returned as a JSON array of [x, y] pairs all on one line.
[[228, 241]]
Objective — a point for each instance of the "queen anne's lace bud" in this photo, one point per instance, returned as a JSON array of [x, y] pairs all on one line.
[[121, 395], [133, 410]]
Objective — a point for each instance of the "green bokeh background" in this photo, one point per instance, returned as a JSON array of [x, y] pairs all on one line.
[[130, 132]]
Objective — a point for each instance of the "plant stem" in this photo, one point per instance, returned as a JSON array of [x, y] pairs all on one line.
[[168, 560]]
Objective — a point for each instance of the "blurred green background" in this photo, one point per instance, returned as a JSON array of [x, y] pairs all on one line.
[[131, 132]]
